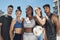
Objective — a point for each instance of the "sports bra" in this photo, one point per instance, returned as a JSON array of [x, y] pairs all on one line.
[[18, 25], [29, 24]]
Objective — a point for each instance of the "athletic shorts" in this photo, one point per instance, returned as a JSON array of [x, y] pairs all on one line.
[[29, 36]]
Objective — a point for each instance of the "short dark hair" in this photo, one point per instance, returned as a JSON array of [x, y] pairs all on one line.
[[10, 6], [46, 5]]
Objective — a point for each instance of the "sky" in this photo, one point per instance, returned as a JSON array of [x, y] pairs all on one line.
[[23, 3]]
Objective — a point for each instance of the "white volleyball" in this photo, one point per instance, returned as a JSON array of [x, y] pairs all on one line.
[[37, 30]]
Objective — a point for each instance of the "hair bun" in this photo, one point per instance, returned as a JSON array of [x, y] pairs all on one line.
[[19, 8]]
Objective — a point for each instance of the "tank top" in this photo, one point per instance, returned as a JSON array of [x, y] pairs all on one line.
[[50, 29], [29, 24]]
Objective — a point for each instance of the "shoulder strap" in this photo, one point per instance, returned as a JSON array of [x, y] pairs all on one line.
[[50, 16]]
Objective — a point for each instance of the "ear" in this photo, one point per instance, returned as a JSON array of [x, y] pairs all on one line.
[[21, 13]]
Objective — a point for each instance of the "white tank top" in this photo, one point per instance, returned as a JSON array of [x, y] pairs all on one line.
[[29, 23]]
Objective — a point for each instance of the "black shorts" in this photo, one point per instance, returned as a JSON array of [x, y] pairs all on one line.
[[17, 37]]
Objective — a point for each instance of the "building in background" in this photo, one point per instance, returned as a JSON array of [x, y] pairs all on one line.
[[56, 8], [59, 9], [1, 13]]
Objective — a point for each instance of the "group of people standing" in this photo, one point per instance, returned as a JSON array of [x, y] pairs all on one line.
[[22, 28]]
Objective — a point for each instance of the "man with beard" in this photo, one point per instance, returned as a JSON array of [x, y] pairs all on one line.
[[5, 22], [52, 26]]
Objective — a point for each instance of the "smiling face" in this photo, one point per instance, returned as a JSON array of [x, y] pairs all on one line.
[[10, 9], [18, 13]]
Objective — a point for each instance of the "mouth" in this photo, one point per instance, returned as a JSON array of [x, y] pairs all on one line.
[[10, 13]]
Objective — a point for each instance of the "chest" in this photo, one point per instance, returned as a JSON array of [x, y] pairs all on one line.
[[6, 20], [18, 25]]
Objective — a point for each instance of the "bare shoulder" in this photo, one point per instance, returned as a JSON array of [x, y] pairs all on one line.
[[14, 21], [54, 16]]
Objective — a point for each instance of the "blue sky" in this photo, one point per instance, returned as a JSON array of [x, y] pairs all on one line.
[[23, 3]]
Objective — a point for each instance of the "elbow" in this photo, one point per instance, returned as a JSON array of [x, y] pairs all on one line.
[[0, 24], [10, 32]]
